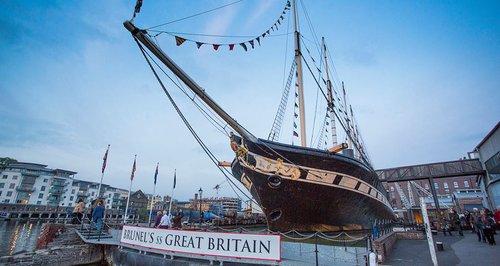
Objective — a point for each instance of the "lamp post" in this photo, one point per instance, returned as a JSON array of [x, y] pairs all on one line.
[[201, 195]]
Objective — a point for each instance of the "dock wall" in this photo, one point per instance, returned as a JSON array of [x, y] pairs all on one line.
[[383, 245]]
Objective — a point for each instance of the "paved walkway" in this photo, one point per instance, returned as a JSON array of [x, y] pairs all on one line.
[[463, 251]]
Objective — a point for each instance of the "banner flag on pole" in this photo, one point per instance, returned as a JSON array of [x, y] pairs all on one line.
[[175, 177], [133, 170], [105, 159], [156, 172], [137, 8]]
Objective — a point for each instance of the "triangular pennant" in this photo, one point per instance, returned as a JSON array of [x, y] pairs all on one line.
[[179, 40], [199, 44], [244, 46], [258, 40], [295, 134], [281, 17], [264, 35], [296, 105], [294, 125], [216, 46], [231, 47], [251, 43], [279, 22], [296, 115], [267, 32]]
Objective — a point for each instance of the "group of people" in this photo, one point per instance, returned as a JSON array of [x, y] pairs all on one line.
[[484, 223], [164, 220], [95, 212]]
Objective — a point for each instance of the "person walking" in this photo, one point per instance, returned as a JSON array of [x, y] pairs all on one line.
[[97, 215], [455, 221], [165, 221], [476, 222], [78, 212], [488, 222], [159, 215], [177, 220]]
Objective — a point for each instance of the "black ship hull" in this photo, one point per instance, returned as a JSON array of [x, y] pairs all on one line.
[[307, 189]]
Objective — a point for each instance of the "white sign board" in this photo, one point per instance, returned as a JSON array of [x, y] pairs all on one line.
[[249, 246]]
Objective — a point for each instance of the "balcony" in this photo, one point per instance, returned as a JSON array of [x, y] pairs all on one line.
[[56, 191], [25, 188], [58, 183], [83, 194], [28, 181]]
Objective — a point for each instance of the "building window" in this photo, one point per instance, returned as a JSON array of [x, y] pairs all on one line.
[[93, 193], [4, 176], [426, 186], [445, 184], [1, 193], [14, 177], [447, 191], [73, 191], [12, 185], [392, 188], [7, 201], [42, 188], [39, 203], [40, 196], [466, 183], [436, 185], [45, 180], [455, 184], [71, 198], [9, 193], [2, 185]]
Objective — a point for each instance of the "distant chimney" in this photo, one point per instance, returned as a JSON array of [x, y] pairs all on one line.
[[195, 202]]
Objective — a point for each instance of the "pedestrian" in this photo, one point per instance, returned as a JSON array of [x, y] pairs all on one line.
[[455, 221], [78, 212], [97, 215], [165, 221], [159, 215], [476, 222], [488, 222], [446, 226], [177, 220], [497, 218]]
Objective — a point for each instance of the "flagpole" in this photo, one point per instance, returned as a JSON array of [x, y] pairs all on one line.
[[103, 167], [129, 191], [152, 198], [172, 195]]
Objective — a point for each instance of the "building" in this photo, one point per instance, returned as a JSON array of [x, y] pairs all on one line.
[[138, 200], [35, 184], [488, 152]]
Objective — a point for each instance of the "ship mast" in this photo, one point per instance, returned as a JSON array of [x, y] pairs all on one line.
[[331, 103], [141, 36], [298, 60]]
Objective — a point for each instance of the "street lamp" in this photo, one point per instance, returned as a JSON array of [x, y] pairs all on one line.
[[201, 195]]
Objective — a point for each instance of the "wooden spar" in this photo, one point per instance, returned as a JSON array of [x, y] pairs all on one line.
[[331, 103], [298, 60], [338, 148], [140, 35], [349, 137]]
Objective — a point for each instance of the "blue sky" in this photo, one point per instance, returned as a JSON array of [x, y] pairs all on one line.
[[422, 77]]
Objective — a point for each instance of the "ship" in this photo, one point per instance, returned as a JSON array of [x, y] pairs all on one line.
[[299, 188]]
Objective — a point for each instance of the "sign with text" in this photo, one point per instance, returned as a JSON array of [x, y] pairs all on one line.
[[249, 246]]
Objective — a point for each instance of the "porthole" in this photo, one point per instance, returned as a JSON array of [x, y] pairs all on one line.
[[274, 181]]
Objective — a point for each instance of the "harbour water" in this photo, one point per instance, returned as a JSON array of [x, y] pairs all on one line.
[[18, 236]]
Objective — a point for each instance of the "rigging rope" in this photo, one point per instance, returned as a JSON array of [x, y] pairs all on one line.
[[183, 118], [195, 15]]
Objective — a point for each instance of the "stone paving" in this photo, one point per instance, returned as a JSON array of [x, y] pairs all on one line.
[[463, 251]]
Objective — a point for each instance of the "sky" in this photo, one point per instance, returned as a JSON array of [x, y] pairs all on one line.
[[422, 77]]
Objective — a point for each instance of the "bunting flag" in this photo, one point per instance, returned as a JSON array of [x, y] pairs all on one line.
[[180, 40], [105, 159], [137, 8], [133, 170], [295, 134], [244, 46], [294, 125], [156, 172]]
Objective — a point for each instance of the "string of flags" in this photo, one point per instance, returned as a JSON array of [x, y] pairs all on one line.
[[296, 107], [137, 8], [244, 45]]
